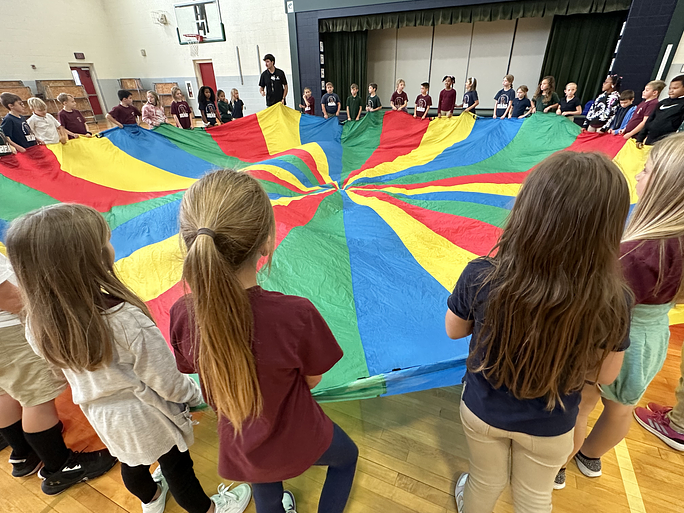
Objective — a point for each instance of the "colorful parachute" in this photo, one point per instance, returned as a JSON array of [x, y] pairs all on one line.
[[375, 220]]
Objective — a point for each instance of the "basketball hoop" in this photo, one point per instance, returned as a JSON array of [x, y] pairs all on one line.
[[193, 42]]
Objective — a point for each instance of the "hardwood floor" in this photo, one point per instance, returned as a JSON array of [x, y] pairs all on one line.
[[412, 448]]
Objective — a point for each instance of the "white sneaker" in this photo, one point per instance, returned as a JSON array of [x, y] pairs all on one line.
[[158, 505], [232, 501], [458, 492], [289, 502]]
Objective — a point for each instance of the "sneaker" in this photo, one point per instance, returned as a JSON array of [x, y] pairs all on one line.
[[24, 467], [289, 502], [559, 482], [234, 500], [590, 467], [458, 492], [80, 466], [3, 443], [657, 408], [658, 423], [159, 504]]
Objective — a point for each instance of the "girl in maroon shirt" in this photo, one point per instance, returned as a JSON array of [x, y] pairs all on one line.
[[447, 98], [258, 353]]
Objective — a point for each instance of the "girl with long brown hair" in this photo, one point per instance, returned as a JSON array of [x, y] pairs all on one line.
[[83, 319], [545, 99], [547, 310], [652, 261], [258, 353]]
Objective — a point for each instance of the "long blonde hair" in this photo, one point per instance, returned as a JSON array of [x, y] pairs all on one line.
[[64, 270], [557, 304], [659, 214], [238, 214]]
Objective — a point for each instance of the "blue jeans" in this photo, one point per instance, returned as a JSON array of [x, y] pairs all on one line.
[[340, 458]]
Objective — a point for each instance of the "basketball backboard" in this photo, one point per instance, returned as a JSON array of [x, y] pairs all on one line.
[[201, 17]]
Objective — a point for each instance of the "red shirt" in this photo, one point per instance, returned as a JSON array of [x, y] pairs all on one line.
[[641, 265], [644, 109], [183, 112], [310, 107], [447, 100], [291, 340], [72, 121], [399, 99], [125, 115]]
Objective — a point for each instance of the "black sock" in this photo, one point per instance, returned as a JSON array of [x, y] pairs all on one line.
[[14, 435], [49, 446]]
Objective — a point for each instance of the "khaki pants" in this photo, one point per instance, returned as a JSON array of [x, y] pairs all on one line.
[[677, 413], [497, 457]]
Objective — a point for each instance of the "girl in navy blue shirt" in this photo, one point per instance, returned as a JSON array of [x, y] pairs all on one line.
[[470, 99], [547, 312]]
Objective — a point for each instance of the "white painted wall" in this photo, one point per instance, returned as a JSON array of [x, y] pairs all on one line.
[[382, 55]]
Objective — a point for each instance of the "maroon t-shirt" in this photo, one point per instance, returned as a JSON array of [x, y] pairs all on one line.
[[641, 264], [291, 340], [310, 106], [447, 100], [644, 109], [399, 99], [72, 121], [423, 103], [182, 110], [125, 115]]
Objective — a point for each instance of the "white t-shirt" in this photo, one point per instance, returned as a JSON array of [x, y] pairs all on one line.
[[7, 274], [45, 128]]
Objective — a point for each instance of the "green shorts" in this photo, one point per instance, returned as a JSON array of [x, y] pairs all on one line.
[[649, 336]]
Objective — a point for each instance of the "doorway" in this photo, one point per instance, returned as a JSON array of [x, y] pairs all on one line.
[[205, 74], [84, 76]]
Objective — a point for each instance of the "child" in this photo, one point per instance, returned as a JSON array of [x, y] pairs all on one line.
[[236, 105], [82, 319], [504, 97], [223, 106], [652, 261], [423, 101], [330, 103], [667, 118], [125, 113], [309, 105], [624, 113], [14, 125], [602, 111], [447, 98], [570, 106], [373, 103], [71, 118], [43, 124], [354, 103], [470, 99], [258, 352], [545, 99], [399, 100], [650, 96], [180, 110], [152, 111], [520, 105], [28, 417], [546, 313], [207, 106]]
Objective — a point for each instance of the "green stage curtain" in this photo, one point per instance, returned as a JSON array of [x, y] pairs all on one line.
[[346, 62], [580, 50], [472, 13]]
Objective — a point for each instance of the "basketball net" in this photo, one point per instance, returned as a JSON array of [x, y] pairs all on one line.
[[193, 42]]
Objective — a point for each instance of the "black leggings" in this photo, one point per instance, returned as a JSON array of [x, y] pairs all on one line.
[[183, 484]]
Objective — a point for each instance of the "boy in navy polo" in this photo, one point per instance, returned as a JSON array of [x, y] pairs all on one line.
[[14, 125]]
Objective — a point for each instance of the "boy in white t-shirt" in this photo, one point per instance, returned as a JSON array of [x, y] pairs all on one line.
[[44, 125]]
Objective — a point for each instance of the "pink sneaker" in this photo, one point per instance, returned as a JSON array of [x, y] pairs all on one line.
[[657, 408], [658, 423]]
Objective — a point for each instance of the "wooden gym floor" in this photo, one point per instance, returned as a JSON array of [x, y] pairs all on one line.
[[412, 448]]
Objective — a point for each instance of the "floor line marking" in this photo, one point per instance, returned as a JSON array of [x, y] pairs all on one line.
[[629, 479]]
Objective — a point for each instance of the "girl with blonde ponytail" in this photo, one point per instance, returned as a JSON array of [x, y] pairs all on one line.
[[258, 353], [652, 257]]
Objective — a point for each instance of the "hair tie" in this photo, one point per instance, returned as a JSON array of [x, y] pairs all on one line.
[[206, 231]]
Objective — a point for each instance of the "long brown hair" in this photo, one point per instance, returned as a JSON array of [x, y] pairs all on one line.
[[549, 92], [557, 304], [237, 210], [64, 270], [659, 215]]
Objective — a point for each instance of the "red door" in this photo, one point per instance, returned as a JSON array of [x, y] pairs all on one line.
[[207, 73], [87, 82]]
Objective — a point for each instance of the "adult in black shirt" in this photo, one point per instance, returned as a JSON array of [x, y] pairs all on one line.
[[273, 84]]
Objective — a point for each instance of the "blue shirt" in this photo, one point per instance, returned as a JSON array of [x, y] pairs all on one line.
[[18, 130], [503, 98], [520, 107], [468, 99], [236, 108], [330, 102], [497, 406]]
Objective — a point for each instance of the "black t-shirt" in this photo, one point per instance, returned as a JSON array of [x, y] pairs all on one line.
[[569, 105], [209, 110], [330, 102], [520, 107], [18, 130], [374, 102], [497, 406], [469, 98], [274, 84], [503, 98], [236, 108]]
